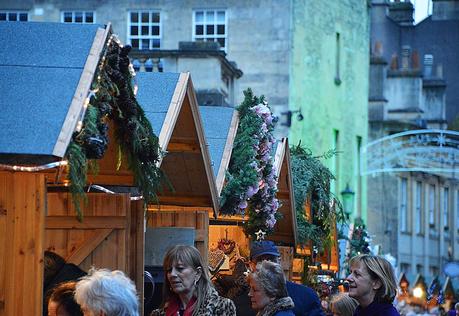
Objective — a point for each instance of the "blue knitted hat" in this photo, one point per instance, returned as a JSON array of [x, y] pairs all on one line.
[[263, 247]]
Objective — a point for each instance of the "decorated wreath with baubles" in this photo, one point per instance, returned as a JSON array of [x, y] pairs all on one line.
[[251, 177]]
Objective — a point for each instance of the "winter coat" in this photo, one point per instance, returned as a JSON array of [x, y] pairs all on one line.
[[280, 307], [212, 305], [306, 301], [377, 309]]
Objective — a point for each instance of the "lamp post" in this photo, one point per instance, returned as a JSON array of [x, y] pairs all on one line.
[[348, 200]]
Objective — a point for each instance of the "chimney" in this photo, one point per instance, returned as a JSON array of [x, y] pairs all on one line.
[[415, 60], [405, 57], [402, 12], [439, 71], [428, 62], [378, 51], [394, 62]]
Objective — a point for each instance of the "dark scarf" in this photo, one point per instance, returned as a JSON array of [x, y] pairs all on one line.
[[278, 305]]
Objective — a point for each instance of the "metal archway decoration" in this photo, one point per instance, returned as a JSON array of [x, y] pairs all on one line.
[[429, 150]]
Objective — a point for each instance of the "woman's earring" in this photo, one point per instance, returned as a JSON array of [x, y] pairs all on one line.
[[195, 282]]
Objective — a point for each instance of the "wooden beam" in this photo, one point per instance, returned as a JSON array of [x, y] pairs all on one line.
[[88, 245], [283, 195], [186, 200], [183, 147], [89, 222], [227, 152], [173, 111]]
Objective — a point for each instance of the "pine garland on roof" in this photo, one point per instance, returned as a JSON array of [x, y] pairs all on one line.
[[251, 178], [312, 179], [112, 97]]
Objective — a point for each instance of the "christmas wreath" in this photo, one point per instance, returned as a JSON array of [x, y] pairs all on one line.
[[251, 178], [112, 97]]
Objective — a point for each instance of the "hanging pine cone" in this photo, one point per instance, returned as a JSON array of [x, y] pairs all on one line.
[[95, 147]]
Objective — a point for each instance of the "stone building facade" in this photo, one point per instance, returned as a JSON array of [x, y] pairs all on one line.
[[413, 215]]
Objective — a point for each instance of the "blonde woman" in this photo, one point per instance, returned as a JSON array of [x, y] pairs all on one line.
[[372, 283], [187, 288], [343, 305]]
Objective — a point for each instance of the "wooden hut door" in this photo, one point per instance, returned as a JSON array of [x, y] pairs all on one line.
[[110, 235]]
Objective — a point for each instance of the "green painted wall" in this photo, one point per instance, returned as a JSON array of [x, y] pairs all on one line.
[[330, 107]]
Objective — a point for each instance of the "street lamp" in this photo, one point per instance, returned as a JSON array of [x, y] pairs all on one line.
[[348, 200]]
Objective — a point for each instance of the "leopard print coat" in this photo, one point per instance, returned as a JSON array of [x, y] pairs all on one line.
[[214, 305]]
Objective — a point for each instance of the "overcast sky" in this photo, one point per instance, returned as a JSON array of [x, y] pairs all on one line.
[[423, 8]]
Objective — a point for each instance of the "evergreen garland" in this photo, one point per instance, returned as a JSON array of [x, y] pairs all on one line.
[[112, 97], [251, 181], [311, 179]]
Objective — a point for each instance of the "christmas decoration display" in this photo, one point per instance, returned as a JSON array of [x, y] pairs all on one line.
[[112, 97], [360, 240], [251, 179], [311, 179]]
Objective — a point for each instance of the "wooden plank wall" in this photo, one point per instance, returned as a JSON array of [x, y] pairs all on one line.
[[110, 236], [22, 211], [198, 220]]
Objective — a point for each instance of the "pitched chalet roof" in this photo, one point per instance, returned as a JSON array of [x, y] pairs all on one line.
[[220, 126], [170, 104], [41, 65]]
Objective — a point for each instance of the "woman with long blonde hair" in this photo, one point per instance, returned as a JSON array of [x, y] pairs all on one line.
[[187, 289]]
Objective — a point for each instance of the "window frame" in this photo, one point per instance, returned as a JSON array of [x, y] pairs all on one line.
[[139, 24], [17, 12], [432, 199], [445, 208], [418, 209], [403, 206], [63, 12], [215, 36]]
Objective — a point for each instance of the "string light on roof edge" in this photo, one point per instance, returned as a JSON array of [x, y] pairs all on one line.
[[34, 168]]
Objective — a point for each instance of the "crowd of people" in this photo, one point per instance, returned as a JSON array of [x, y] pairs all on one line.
[[189, 291]]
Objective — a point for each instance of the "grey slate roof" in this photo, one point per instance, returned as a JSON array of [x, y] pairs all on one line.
[[216, 121], [155, 94], [40, 67]]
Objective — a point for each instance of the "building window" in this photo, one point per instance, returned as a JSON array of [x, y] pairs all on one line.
[[403, 205], [418, 207], [144, 29], [22, 16], [419, 268], [446, 208], [85, 17], [358, 199], [433, 271], [405, 268], [210, 26], [337, 59], [432, 206]]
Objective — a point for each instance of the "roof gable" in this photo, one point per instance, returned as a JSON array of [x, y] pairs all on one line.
[[170, 104]]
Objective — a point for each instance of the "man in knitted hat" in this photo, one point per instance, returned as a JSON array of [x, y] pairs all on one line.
[[306, 300]]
